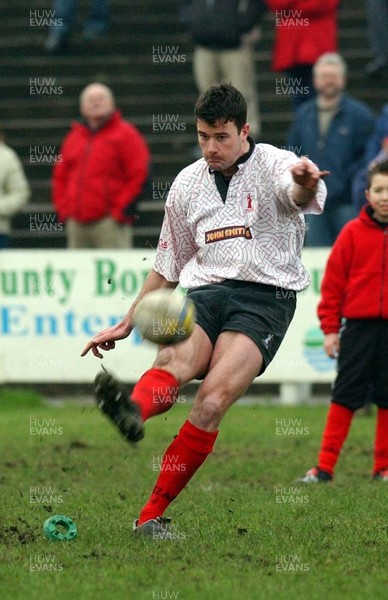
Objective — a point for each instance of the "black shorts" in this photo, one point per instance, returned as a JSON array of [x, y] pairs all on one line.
[[262, 312], [362, 364]]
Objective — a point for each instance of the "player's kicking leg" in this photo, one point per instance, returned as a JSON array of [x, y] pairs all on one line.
[[235, 362], [157, 390]]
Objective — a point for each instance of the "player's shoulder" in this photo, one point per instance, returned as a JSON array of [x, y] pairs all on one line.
[[187, 182], [193, 172], [274, 153]]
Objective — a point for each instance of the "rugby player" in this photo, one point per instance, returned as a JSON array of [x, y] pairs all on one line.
[[232, 235]]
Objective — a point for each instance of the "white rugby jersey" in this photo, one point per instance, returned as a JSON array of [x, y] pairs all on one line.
[[256, 235]]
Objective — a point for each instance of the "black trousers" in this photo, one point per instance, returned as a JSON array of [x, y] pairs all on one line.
[[362, 364]]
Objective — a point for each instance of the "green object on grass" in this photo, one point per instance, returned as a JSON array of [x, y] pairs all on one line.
[[60, 527]]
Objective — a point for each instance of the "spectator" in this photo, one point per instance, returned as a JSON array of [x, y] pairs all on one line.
[[377, 11], [355, 288], [14, 189], [305, 29], [332, 130], [64, 15], [102, 172], [224, 32]]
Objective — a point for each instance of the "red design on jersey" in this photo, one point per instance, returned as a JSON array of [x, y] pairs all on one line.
[[248, 202]]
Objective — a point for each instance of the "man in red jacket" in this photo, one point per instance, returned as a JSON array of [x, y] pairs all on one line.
[[101, 173], [355, 287], [305, 29]]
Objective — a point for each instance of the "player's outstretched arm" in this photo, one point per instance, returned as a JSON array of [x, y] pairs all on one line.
[[306, 175], [105, 339]]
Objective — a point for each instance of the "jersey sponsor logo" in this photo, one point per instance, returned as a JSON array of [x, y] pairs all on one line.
[[225, 233]]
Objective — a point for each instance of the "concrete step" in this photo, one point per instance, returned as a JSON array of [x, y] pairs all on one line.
[[145, 87]]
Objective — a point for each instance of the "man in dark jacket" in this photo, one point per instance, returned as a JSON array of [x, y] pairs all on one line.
[[332, 130], [102, 169], [224, 32]]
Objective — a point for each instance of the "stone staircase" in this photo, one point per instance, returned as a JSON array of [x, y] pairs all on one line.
[[148, 90]]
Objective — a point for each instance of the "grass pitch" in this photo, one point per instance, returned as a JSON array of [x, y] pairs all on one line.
[[244, 529]]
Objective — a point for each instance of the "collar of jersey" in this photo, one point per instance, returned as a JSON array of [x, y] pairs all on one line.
[[244, 157]]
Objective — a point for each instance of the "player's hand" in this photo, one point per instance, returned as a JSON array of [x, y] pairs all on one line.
[[331, 344], [306, 173], [105, 339]]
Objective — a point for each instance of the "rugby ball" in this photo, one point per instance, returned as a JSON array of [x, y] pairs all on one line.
[[164, 317]]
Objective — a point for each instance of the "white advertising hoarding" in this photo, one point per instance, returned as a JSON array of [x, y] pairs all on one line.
[[53, 301]]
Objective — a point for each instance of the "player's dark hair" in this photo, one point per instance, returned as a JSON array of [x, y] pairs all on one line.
[[224, 103], [378, 169]]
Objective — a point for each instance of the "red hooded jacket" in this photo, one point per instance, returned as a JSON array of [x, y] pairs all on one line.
[[355, 284], [100, 173], [305, 29]]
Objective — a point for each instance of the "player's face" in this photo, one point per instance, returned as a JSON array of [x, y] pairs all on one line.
[[377, 196], [222, 144], [329, 81]]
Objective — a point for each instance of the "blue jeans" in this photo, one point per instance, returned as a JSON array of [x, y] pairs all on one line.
[[97, 20], [322, 230]]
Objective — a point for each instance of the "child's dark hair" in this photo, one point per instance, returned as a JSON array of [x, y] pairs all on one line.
[[222, 103], [378, 169]]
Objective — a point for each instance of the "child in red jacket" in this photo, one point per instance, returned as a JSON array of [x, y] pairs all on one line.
[[355, 288]]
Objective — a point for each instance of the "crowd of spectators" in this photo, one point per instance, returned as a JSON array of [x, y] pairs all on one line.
[[105, 161]]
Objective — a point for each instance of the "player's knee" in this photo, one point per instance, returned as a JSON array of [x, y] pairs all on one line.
[[165, 357], [208, 411]]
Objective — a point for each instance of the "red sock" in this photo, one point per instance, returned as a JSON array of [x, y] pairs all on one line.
[[181, 460], [336, 430], [381, 440], [155, 392]]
